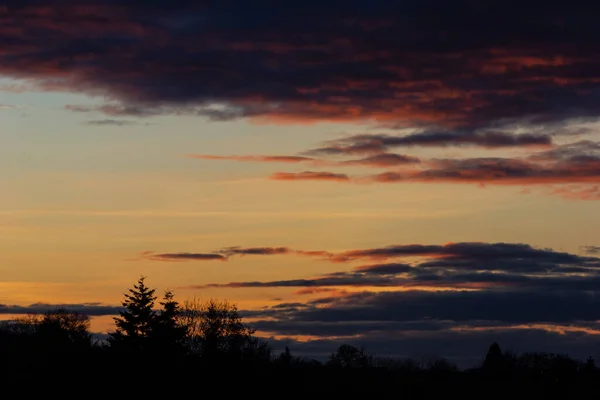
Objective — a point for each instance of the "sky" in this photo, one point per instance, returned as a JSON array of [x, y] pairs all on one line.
[[418, 177]]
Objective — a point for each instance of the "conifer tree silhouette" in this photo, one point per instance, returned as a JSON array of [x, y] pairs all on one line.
[[168, 333], [135, 323]]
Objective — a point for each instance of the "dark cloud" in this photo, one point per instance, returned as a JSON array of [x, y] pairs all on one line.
[[591, 249], [347, 329], [508, 307], [473, 250], [463, 347], [375, 143], [456, 325], [581, 151], [501, 171], [230, 251], [92, 309], [441, 280], [453, 300], [290, 326], [221, 254], [383, 160], [577, 162], [184, 256], [462, 65], [385, 269], [571, 171], [466, 265]]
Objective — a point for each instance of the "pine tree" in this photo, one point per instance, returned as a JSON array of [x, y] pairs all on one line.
[[135, 324], [170, 310], [169, 334], [494, 360], [285, 358]]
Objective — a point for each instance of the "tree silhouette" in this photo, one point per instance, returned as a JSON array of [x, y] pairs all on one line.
[[285, 358], [54, 331], [589, 365], [215, 330], [348, 356], [167, 332], [25, 325], [135, 324], [64, 330], [494, 359]]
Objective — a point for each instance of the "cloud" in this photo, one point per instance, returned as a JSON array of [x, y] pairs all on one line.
[[230, 251], [346, 329], [466, 348], [463, 265], [221, 254], [113, 122], [501, 171], [92, 309], [577, 192], [459, 66], [456, 325], [582, 150], [591, 249], [570, 170], [472, 250], [309, 176], [572, 163], [358, 325], [508, 307], [451, 300], [382, 160], [116, 110], [183, 256], [375, 143], [385, 269], [273, 159], [448, 281], [307, 291], [457, 266], [362, 147]]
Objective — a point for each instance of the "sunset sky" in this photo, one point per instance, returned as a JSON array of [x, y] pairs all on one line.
[[418, 177]]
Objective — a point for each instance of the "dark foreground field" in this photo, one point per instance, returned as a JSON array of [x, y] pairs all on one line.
[[155, 378]]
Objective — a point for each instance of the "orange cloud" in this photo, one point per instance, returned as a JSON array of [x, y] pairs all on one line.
[[273, 159], [578, 192], [309, 176]]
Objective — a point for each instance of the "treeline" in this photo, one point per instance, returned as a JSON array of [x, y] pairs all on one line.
[[208, 341]]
